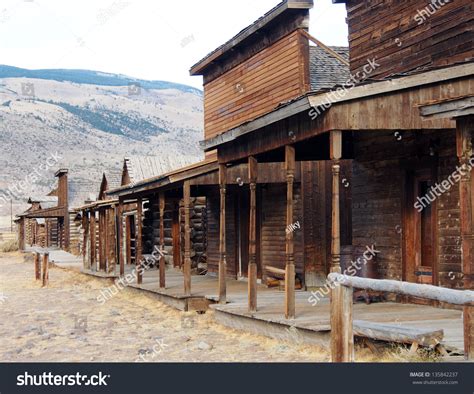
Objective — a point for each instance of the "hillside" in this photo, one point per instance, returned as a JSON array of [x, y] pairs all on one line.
[[93, 120]]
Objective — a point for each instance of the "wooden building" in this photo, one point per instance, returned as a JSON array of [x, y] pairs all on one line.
[[398, 157]]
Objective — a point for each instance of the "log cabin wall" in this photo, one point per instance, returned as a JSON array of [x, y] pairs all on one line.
[[198, 220], [377, 195], [75, 235], [403, 35]]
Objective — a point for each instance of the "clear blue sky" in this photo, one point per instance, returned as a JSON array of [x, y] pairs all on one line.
[[149, 39]]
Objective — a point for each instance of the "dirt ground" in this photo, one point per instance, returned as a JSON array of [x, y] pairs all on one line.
[[65, 322]]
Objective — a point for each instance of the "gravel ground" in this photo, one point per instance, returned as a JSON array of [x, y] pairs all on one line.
[[64, 322]]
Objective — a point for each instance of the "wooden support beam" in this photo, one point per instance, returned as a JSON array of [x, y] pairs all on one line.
[[111, 242], [128, 240], [37, 266], [93, 249], [21, 234], [100, 235], [252, 267], [162, 262], [45, 269], [464, 135], [187, 238], [138, 242], [85, 239], [468, 318], [46, 230], [120, 238], [222, 236], [290, 166], [335, 155], [342, 337]]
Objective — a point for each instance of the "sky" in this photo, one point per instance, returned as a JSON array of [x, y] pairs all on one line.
[[146, 39]]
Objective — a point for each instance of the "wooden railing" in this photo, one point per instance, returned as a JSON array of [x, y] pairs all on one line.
[[342, 335]]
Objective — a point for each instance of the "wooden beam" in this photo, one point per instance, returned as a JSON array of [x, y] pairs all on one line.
[[92, 249], [120, 237], [45, 269], [430, 292], [111, 241], [335, 153], [85, 240], [464, 135], [252, 267], [468, 319], [101, 241], [162, 262], [222, 235], [325, 47], [37, 266], [342, 337], [289, 240], [187, 238], [138, 241]]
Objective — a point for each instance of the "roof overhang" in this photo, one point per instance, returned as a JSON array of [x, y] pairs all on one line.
[[317, 99], [452, 108]]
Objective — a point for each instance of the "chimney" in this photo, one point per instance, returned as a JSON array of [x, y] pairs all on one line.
[[62, 187]]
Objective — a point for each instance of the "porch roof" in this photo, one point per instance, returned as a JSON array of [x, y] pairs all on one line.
[[311, 100]]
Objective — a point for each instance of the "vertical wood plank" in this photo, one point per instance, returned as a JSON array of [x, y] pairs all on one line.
[[342, 336], [187, 238], [37, 266], [335, 155], [138, 242], [290, 166], [101, 240], [468, 317], [85, 232], [120, 237], [162, 262], [464, 134], [45, 269], [92, 232], [128, 240], [252, 267], [222, 236], [111, 243]]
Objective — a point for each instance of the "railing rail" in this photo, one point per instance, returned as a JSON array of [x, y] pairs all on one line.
[[342, 337]]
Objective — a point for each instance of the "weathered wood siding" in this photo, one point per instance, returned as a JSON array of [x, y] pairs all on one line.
[[402, 35], [272, 76], [377, 194]]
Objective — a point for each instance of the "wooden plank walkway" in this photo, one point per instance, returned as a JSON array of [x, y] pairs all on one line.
[[59, 257]]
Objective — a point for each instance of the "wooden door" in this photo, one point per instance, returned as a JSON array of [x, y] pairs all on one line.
[[420, 229]]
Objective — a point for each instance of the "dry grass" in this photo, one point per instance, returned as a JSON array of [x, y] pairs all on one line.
[[9, 246]]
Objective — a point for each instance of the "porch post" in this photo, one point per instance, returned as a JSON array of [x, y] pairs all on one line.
[[92, 231], [464, 134], [101, 241], [335, 155], [85, 231], [222, 236], [162, 263], [120, 237], [46, 230], [289, 241], [21, 234], [252, 274], [187, 238], [138, 242]]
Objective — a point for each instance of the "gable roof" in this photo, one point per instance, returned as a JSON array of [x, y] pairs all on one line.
[[259, 25], [325, 70], [140, 168]]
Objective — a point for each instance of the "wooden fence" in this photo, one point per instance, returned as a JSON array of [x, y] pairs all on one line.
[[342, 336]]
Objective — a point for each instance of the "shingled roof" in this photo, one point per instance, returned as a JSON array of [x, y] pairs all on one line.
[[140, 168], [326, 71]]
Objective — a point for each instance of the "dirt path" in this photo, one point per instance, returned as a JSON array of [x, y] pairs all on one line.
[[64, 322]]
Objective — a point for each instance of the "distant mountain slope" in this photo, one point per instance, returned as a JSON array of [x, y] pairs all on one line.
[[92, 126], [91, 78]]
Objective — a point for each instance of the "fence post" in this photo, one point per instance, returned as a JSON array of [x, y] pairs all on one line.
[[342, 336], [37, 266], [468, 315], [45, 269]]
